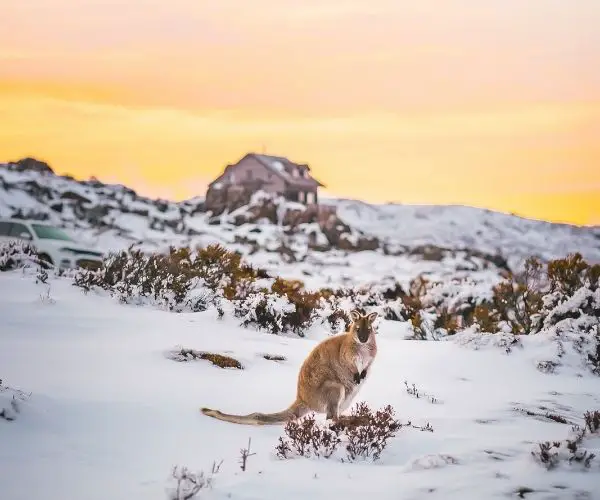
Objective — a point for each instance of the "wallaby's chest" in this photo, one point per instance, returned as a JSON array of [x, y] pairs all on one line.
[[365, 355]]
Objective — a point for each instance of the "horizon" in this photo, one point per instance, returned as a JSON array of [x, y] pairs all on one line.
[[493, 106]]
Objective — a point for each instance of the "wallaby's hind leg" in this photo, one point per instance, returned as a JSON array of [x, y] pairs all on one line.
[[333, 395]]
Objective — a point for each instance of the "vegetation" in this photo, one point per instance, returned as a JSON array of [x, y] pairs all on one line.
[[560, 297], [365, 433], [571, 450], [16, 254], [219, 360]]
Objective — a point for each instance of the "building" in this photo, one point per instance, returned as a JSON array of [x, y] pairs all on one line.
[[272, 174]]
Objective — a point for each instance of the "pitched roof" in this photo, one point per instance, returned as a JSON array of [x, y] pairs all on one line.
[[284, 168], [281, 167]]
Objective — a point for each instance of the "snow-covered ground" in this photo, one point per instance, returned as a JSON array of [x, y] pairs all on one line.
[[109, 415]]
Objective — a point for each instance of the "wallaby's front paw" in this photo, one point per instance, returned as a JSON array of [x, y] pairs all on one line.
[[357, 377], [363, 374]]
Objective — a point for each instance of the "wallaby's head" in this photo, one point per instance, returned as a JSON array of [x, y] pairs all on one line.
[[362, 325]]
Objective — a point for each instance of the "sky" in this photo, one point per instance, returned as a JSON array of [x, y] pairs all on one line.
[[486, 103]]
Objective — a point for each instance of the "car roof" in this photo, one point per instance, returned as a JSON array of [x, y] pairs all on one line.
[[26, 221]]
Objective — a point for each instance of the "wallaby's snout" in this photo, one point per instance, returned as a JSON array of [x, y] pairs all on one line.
[[363, 325]]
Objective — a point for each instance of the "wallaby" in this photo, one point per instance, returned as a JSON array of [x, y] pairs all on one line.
[[329, 378]]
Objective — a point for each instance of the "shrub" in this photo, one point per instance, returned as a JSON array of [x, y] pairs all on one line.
[[572, 273], [369, 439], [518, 300], [188, 484], [571, 309], [15, 254], [366, 434], [594, 355], [552, 454], [10, 402], [305, 437], [485, 317], [179, 280], [287, 307], [266, 311]]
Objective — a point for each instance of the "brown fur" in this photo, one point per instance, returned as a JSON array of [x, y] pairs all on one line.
[[329, 377]]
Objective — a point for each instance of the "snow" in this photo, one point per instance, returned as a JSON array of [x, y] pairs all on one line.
[[468, 227], [278, 165], [109, 415]]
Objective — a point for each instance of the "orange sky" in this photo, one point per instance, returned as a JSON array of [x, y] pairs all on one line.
[[493, 103]]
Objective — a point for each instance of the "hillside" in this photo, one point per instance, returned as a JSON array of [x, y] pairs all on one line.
[[395, 241]]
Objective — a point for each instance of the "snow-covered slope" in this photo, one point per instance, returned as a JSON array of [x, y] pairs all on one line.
[[462, 239], [109, 416], [467, 227]]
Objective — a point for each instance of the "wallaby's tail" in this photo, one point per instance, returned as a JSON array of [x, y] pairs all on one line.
[[295, 410]]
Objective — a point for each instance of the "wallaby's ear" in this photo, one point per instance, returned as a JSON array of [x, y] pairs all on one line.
[[371, 317], [355, 315]]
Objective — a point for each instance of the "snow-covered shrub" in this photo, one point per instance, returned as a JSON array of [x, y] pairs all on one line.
[[16, 254], [410, 307], [335, 306], [267, 311], [179, 280], [10, 402], [282, 307], [369, 437], [571, 309], [515, 304], [187, 484], [364, 432], [570, 451], [305, 437], [568, 275]]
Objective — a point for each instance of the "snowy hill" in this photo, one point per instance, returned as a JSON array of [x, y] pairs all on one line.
[[467, 227], [396, 239]]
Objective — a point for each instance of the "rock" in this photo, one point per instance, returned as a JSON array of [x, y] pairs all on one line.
[[30, 165], [72, 195]]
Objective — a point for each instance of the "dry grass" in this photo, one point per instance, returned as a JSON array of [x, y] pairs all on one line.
[[219, 360]]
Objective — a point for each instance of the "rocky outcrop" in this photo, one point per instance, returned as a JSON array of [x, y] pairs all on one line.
[[30, 165], [294, 217], [226, 199]]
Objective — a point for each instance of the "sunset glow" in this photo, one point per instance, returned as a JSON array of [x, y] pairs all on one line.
[[492, 104]]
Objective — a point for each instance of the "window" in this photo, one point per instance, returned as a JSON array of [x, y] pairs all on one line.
[[4, 228], [50, 233], [301, 196], [310, 198], [19, 230]]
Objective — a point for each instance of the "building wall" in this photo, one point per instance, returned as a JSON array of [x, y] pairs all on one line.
[[251, 171], [251, 175], [306, 195]]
